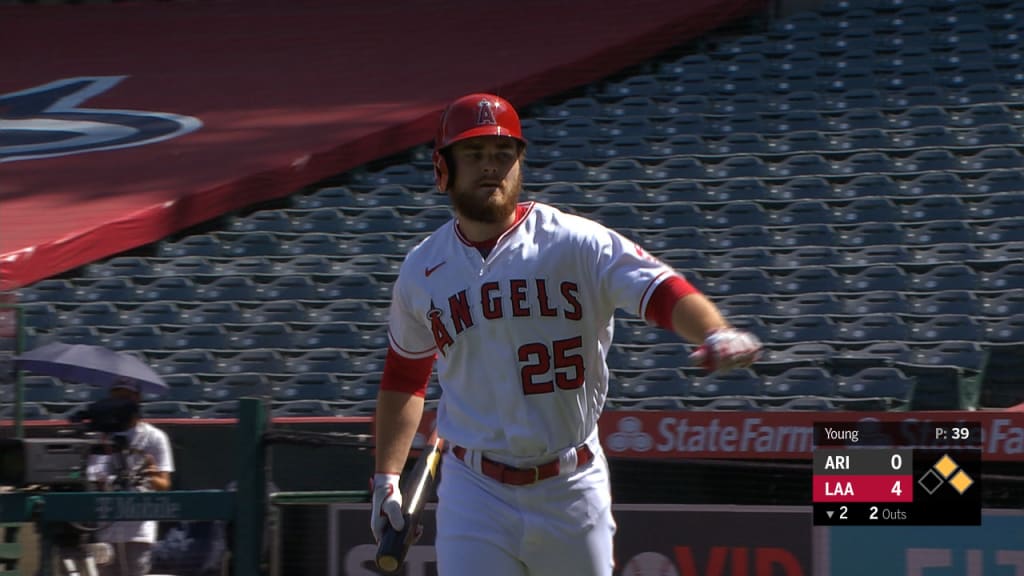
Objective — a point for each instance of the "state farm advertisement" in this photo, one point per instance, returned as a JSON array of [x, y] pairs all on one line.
[[651, 540], [781, 435]]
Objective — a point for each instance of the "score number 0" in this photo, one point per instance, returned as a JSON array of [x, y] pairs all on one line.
[[896, 462]]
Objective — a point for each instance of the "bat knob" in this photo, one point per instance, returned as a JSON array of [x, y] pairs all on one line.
[[394, 544]]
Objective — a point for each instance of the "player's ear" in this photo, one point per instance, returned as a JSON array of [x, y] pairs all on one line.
[[444, 169]]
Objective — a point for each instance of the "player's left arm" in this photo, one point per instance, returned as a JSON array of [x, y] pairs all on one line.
[[159, 463]]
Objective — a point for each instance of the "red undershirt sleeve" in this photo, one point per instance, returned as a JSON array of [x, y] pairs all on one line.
[[663, 301], [409, 375]]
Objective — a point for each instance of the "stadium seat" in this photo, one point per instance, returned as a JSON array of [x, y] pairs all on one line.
[[752, 257], [1009, 230], [76, 335], [1003, 304], [221, 409], [946, 327], [735, 143], [188, 361], [737, 281], [235, 386], [228, 289], [731, 405], [303, 265], [874, 386], [946, 302], [865, 139], [887, 351], [805, 187], [943, 253], [939, 232], [292, 287], [168, 288], [739, 382], [864, 210], [268, 335], [655, 382], [261, 361], [1007, 330], [999, 181], [935, 208], [878, 302], [804, 235], [868, 185], [196, 245], [800, 353], [29, 411], [250, 265], [42, 390], [115, 289], [865, 163], [810, 328], [801, 381], [91, 314], [745, 305], [44, 315], [303, 409], [945, 277], [208, 336], [334, 335], [871, 255], [802, 147], [1002, 157], [871, 234], [142, 337], [967, 355], [993, 135], [211, 313], [738, 213], [153, 313], [807, 403], [806, 280], [802, 212], [806, 256], [736, 166], [165, 409], [872, 328], [998, 206], [811, 303], [875, 278], [326, 360]]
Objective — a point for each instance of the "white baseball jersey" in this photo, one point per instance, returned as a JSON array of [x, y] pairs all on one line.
[[521, 336]]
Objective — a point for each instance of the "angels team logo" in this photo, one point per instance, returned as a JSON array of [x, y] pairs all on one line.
[[48, 120], [485, 114]]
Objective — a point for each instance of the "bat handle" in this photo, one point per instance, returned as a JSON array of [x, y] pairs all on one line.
[[393, 547]]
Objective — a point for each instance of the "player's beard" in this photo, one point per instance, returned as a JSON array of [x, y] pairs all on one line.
[[488, 205]]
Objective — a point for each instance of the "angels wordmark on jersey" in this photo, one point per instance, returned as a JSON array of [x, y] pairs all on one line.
[[525, 329]]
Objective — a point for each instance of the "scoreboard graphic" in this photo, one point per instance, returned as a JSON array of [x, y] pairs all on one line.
[[862, 476]]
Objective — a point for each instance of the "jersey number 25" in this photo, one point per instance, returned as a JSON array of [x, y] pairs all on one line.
[[562, 357]]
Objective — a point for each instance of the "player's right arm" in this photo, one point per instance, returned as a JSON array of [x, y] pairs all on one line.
[[399, 410]]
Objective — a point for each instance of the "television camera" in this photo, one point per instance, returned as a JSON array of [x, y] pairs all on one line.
[[62, 464]]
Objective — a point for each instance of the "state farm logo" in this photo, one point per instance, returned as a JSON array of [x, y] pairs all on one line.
[[630, 436]]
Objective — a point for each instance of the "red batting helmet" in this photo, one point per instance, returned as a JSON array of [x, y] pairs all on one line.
[[471, 116]]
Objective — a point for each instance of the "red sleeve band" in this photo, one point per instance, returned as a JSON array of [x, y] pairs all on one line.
[[663, 301], [409, 375]]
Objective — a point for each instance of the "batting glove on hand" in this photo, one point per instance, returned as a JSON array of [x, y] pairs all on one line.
[[387, 504], [725, 349]]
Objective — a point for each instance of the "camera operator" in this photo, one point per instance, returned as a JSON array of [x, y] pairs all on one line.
[[142, 463]]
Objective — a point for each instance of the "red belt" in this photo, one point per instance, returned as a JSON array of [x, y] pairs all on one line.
[[523, 476]]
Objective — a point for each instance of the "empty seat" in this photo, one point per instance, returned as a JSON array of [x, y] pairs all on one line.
[[209, 336], [212, 313], [880, 302], [257, 361], [811, 328], [745, 305], [1002, 157], [269, 335], [876, 382], [803, 165], [738, 213], [805, 280], [92, 314], [871, 328], [814, 303], [172, 288], [999, 206], [806, 256], [802, 212], [935, 183], [736, 190], [946, 327], [154, 313], [868, 185], [326, 360], [870, 255], [863, 210], [165, 409], [335, 335], [125, 266], [946, 302], [1007, 330], [939, 232], [925, 137], [871, 234], [184, 266], [141, 337], [738, 280], [684, 259], [1008, 278], [801, 381], [865, 139], [1004, 304], [228, 289], [945, 277], [942, 253], [738, 237], [753, 257], [235, 386], [655, 382], [106, 290], [192, 361], [805, 187], [1009, 230], [804, 235], [968, 355], [999, 181], [197, 245], [739, 382], [865, 163], [303, 409], [353, 287], [287, 288], [878, 278], [935, 208]]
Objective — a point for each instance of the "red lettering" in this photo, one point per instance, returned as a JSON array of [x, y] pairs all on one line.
[[442, 339], [766, 559], [518, 298], [740, 561], [459, 307], [570, 291], [491, 304], [542, 298], [539, 362], [716, 561]]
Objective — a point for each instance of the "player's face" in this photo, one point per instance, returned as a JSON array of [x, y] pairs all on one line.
[[487, 178]]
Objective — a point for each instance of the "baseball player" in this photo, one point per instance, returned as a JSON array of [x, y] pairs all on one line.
[[514, 302]]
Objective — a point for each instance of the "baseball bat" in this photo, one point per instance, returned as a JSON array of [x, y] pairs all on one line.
[[394, 544]]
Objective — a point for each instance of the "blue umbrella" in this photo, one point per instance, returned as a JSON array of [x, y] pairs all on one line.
[[87, 364]]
